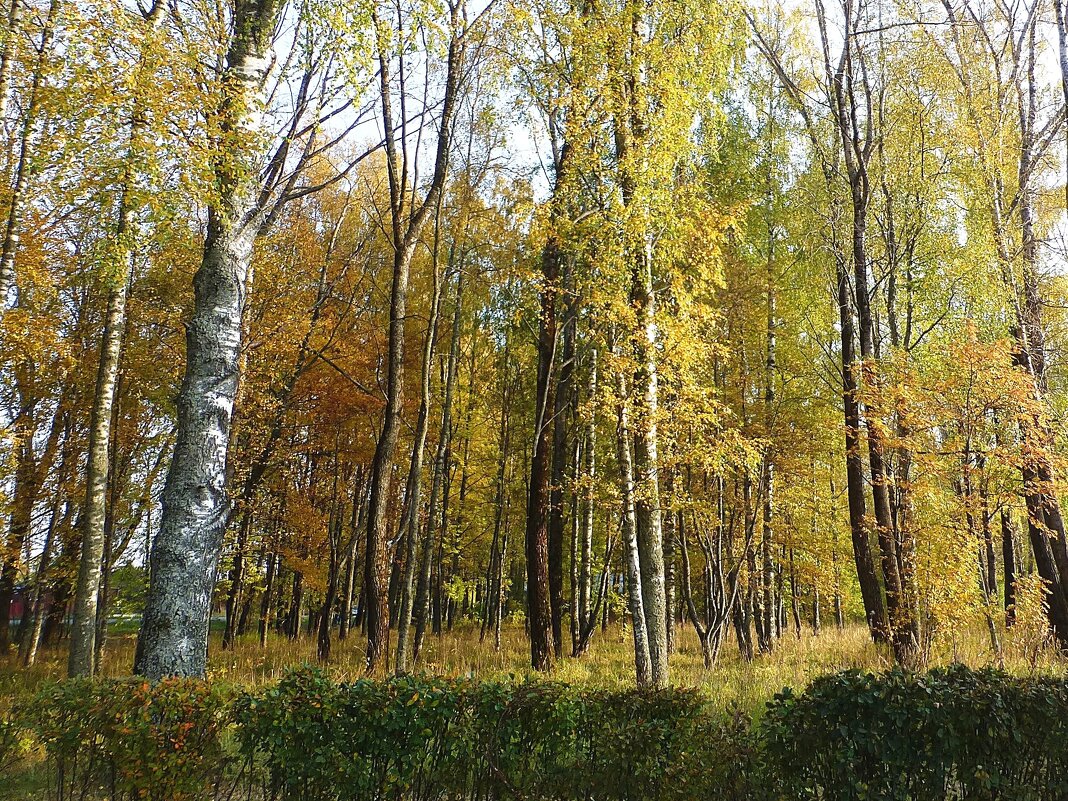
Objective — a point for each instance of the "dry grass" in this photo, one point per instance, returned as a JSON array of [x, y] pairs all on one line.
[[794, 662]]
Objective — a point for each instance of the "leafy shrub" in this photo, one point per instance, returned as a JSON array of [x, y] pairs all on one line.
[[950, 734], [556, 741], [425, 738], [122, 739], [320, 740], [13, 743]]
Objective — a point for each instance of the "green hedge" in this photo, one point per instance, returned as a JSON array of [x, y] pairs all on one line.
[[899, 736], [950, 734], [423, 738], [127, 739]]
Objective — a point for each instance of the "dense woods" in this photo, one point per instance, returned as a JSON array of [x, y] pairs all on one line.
[[368, 322]]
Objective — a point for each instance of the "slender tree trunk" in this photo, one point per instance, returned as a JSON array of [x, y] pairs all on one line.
[[237, 579], [268, 595], [415, 472], [499, 591], [406, 227], [795, 598], [561, 406], [897, 612], [29, 644], [30, 473], [1062, 53], [117, 476], [647, 468], [630, 137], [858, 525], [643, 665], [323, 644], [1008, 562], [359, 506], [296, 607], [767, 541], [436, 510], [590, 476], [376, 564], [23, 498], [816, 612], [24, 164], [12, 31], [82, 661], [495, 573], [670, 537]]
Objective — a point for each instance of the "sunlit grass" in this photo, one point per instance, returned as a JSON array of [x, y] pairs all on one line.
[[795, 661]]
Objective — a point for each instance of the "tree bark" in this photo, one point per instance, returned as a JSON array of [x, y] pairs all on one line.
[[539, 604], [84, 630], [643, 667], [438, 485], [561, 406], [415, 472], [858, 526], [1008, 562]]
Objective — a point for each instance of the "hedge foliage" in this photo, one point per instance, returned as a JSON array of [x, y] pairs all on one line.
[[124, 739], [949, 734], [424, 738]]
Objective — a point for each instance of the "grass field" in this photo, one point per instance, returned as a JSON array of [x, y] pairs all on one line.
[[794, 661]]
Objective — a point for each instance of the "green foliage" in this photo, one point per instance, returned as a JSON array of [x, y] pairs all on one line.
[[318, 739], [122, 739], [129, 584], [13, 743], [950, 734], [428, 738]]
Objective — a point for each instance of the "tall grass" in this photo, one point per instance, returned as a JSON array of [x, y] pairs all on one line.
[[609, 663]]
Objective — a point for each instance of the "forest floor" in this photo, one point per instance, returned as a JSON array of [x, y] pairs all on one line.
[[794, 662]]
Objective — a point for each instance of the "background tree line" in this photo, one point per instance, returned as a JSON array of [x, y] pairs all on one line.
[[331, 319]]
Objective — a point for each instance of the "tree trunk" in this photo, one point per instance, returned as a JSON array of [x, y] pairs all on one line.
[[647, 468], [268, 595], [585, 574], [322, 649], [24, 165], [669, 527], [415, 472], [561, 406], [495, 572], [1008, 562], [83, 649], [539, 604], [29, 644], [632, 550], [174, 629], [767, 540], [376, 564], [237, 579], [858, 525], [436, 511], [406, 227], [12, 30]]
